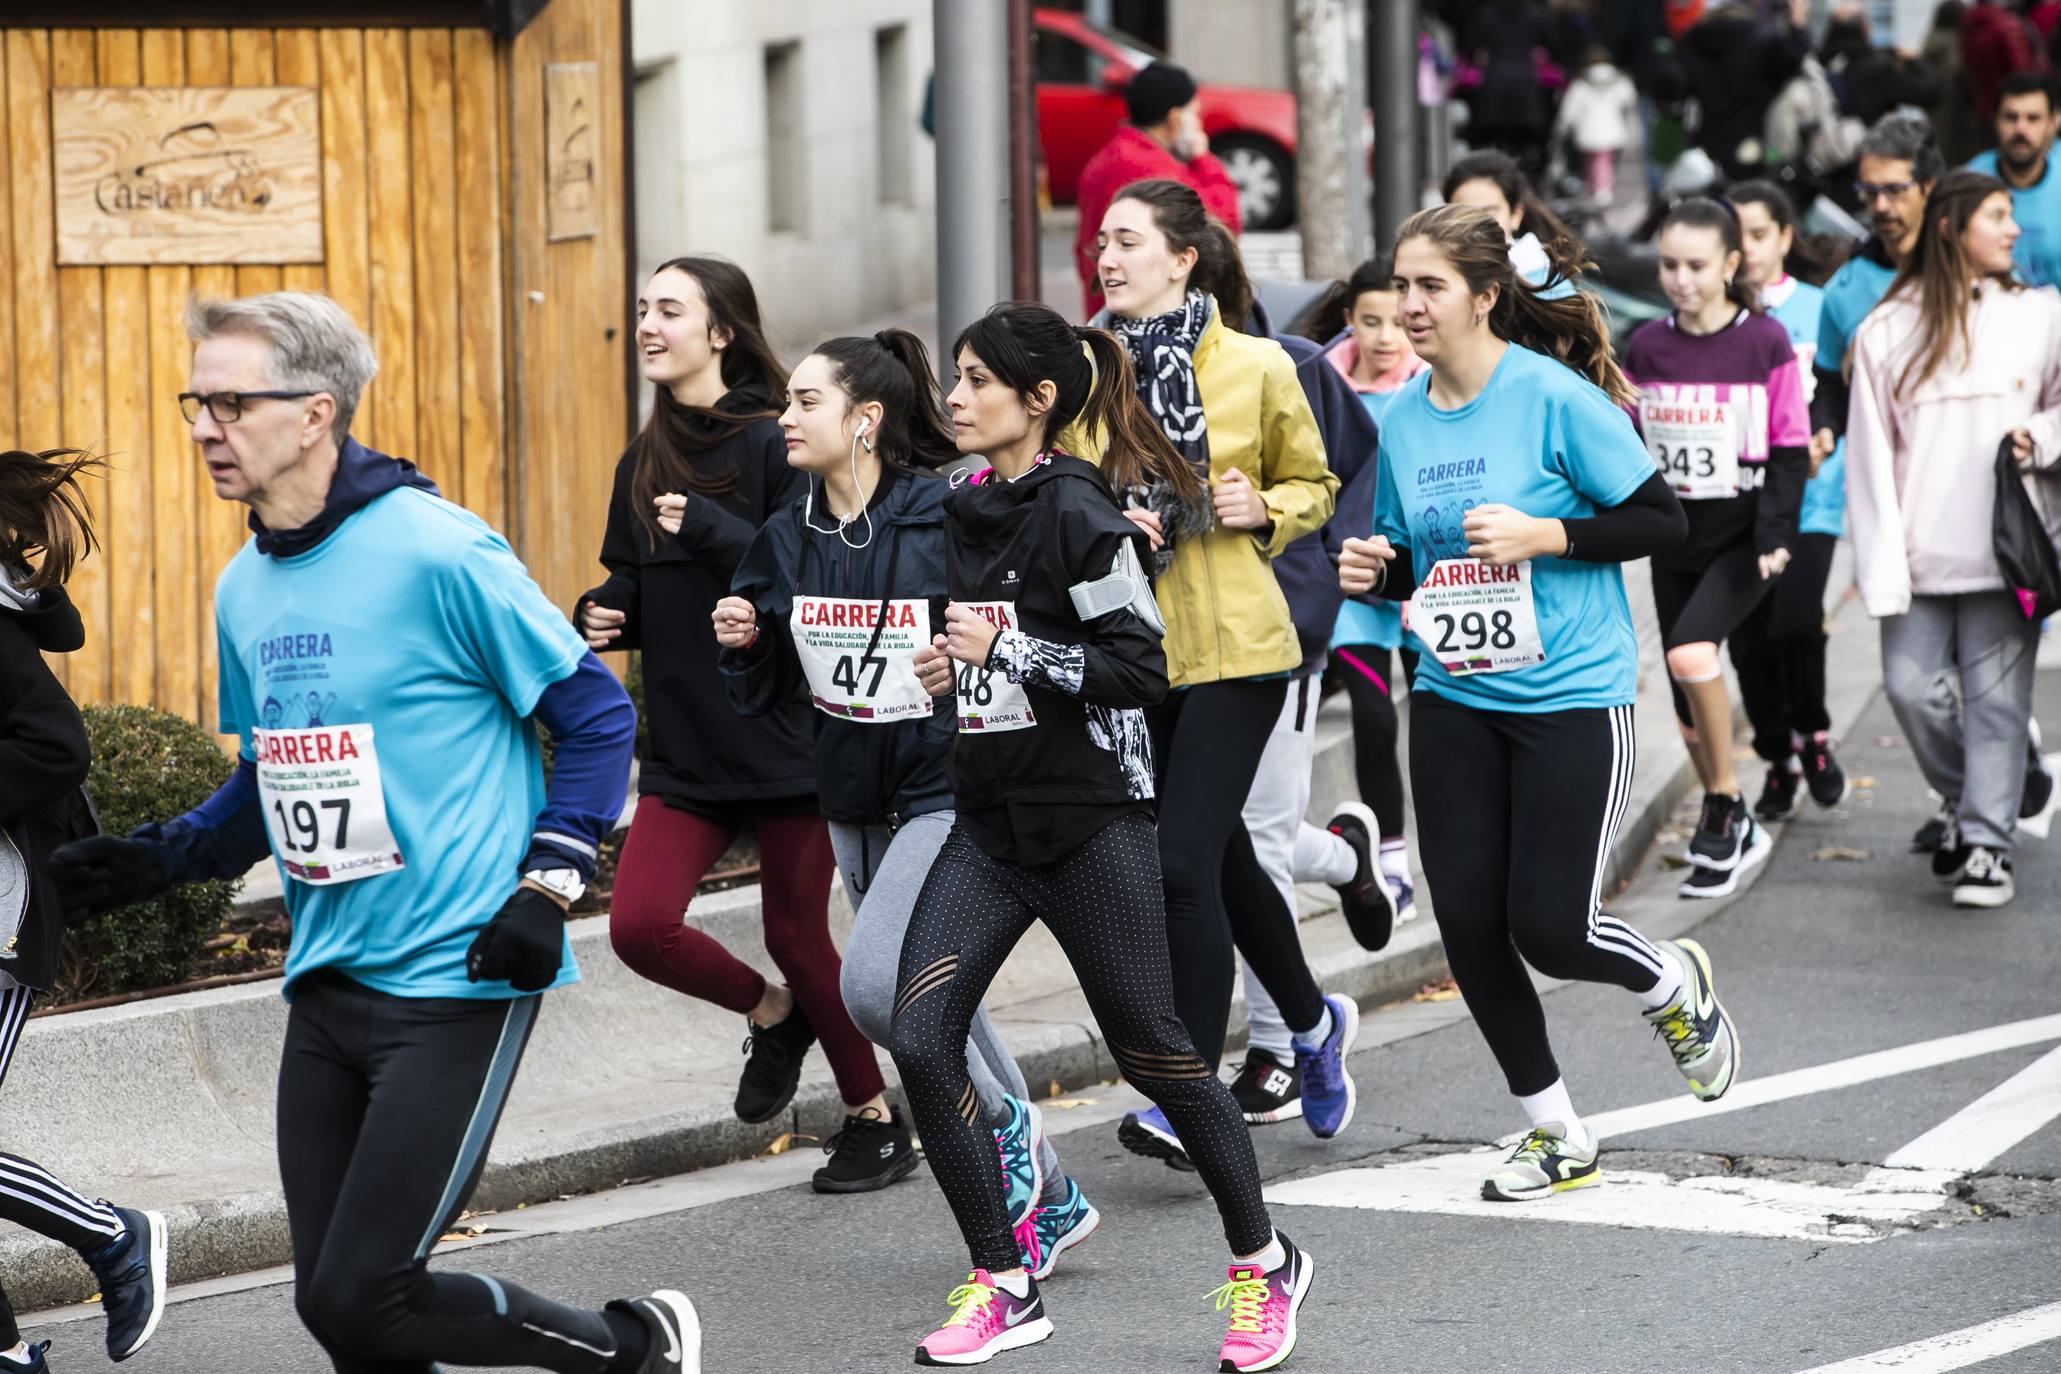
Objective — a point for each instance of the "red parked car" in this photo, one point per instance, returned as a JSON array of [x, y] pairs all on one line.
[[1081, 73]]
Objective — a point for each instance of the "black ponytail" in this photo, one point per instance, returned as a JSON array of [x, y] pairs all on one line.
[[1701, 212], [1810, 258], [1323, 317], [893, 368]]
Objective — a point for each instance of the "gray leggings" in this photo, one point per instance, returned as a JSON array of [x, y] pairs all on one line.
[[883, 873]]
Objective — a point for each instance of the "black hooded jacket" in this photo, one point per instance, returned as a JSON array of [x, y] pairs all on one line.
[[1034, 795], [699, 753], [43, 758], [869, 774]]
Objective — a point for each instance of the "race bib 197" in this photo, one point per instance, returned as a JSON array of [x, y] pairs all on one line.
[[1695, 445], [854, 674], [988, 701], [1475, 617], [325, 807]]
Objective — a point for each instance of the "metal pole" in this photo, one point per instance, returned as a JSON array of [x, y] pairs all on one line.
[[971, 47], [1324, 154], [1359, 192], [1023, 158], [1395, 118]]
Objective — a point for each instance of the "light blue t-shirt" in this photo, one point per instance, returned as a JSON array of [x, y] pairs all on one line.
[[1380, 624], [2037, 208], [1544, 441], [1824, 496], [416, 619]]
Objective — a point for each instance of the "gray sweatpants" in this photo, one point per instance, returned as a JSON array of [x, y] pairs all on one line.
[[1958, 671], [883, 873]]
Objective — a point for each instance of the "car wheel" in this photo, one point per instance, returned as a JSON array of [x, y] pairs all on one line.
[[1264, 175]]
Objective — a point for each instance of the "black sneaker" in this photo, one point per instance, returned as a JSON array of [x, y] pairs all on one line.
[[1368, 904], [673, 1328], [34, 1364], [1985, 880], [1821, 770], [131, 1271], [1723, 882], [867, 1155], [1778, 795], [1950, 855], [2039, 789], [1925, 840], [1721, 833], [773, 1071], [1267, 1092]]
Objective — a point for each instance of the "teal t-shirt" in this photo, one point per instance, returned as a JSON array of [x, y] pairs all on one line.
[[1796, 306], [415, 619], [2037, 209], [1544, 441], [1855, 289], [1381, 623]]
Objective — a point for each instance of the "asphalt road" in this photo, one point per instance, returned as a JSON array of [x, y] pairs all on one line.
[[1753, 1239]]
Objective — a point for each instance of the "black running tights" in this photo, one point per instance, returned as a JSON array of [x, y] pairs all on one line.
[[1206, 745], [1369, 673], [1515, 816], [1103, 904], [1779, 651]]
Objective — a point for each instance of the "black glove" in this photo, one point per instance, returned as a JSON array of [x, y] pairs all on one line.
[[98, 874], [522, 946]]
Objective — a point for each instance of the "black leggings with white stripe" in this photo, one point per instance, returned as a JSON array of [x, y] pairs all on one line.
[[30, 1195], [1516, 812]]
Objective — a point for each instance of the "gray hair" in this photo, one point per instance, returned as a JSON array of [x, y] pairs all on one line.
[[315, 345], [1905, 138]]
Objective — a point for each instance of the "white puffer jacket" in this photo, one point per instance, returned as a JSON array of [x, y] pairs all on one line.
[[1600, 109]]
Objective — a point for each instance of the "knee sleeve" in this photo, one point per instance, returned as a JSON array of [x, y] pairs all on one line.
[[1697, 662]]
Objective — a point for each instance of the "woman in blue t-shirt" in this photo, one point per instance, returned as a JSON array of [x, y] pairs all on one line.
[[1779, 649], [1512, 486]]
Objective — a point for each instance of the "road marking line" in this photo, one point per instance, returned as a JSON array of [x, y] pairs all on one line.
[[1959, 1349], [1990, 1125]]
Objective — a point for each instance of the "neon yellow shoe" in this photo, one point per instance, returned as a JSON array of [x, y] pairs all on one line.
[[1700, 1036], [1544, 1163]]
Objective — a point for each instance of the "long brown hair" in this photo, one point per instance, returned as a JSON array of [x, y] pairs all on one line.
[[675, 432], [1701, 212], [43, 513], [893, 368], [1024, 343], [1937, 275], [1570, 328], [1219, 267]]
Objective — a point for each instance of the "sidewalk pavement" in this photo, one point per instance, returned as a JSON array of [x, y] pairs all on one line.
[[168, 1103]]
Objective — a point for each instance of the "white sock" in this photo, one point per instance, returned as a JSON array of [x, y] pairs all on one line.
[[19, 1355], [1016, 1285], [1271, 1258], [1314, 1038], [1554, 1107], [1395, 858], [1672, 979]]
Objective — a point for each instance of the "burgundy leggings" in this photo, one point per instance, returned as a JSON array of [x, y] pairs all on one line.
[[664, 857]]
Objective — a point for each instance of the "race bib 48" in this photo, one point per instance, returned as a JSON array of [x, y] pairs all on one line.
[[988, 700]]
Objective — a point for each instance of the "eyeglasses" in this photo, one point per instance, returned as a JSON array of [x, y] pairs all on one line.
[[227, 406], [1868, 190]]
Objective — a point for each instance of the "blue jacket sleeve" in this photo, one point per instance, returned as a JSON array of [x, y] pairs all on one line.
[[594, 726], [222, 837]]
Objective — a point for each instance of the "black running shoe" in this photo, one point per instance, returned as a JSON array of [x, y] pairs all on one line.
[[1266, 1092], [867, 1155], [672, 1328], [131, 1271], [1985, 880], [1778, 796], [773, 1070], [1721, 834], [1821, 770], [1368, 904], [1950, 856], [2039, 789], [1925, 840]]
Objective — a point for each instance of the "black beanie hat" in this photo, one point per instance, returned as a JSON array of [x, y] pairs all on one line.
[[1156, 91]]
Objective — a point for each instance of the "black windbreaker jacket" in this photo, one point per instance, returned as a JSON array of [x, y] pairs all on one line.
[[867, 774]]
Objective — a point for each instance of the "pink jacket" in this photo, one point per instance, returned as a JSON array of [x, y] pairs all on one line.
[[1920, 469]]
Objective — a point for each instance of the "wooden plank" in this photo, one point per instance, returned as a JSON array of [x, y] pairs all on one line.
[[82, 387], [218, 527], [175, 508], [346, 232], [481, 188], [35, 265], [129, 530], [433, 161], [297, 61], [251, 63], [8, 361], [388, 208]]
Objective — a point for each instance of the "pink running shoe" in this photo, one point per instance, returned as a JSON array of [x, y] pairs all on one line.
[[1263, 1308], [986, 1320]]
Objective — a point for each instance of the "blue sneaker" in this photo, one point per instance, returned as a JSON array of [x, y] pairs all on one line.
[[1328, 1097], [1405, 893], [35, 1365], [1061, 1228], [1150, 1134], [131, 1271], [1017, 1143]]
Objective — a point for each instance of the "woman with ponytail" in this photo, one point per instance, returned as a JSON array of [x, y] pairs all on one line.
[[44, 755], [1722, 408], [706, 471], [1052, 652], [832, 600], [1233, 408], [1511, 488]]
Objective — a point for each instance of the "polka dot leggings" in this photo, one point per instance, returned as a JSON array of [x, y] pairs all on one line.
[[1104, 905]]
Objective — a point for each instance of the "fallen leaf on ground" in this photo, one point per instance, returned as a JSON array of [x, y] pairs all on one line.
[[1862, 782], [784, 1142], [1066, 1104], [1444, 990], [1673, 861], [1839, 852], [1887, 741]]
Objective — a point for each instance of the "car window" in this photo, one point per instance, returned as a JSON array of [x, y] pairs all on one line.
[[1063, 62]]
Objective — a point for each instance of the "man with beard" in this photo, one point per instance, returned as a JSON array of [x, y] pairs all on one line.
[[2025, 127]]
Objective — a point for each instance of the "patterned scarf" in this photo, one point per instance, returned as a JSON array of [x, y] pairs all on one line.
[[1162, 350]]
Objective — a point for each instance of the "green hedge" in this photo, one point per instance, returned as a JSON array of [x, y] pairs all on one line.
[[147, 766]]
